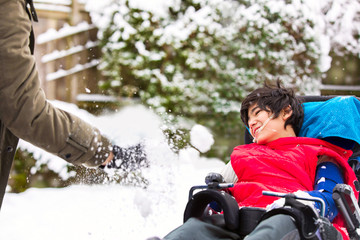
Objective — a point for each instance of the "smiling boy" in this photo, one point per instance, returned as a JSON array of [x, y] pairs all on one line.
[[281, 162], [278, 161]]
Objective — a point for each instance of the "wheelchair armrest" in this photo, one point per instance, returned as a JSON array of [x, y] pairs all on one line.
[[347, 204]]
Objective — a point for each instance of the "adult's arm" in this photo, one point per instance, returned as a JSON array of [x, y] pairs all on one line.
[[24, 109]]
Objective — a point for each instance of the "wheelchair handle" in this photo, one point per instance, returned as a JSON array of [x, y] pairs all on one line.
[[313, 199]]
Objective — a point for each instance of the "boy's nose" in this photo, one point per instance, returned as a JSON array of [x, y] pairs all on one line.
[[251, 122]]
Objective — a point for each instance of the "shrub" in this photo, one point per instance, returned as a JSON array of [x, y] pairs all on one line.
[[198, 58]]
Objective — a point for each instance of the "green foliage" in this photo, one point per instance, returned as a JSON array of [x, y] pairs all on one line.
[[22, 178], [199, 58]]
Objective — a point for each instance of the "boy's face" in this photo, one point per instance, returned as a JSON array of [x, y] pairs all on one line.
[[263, 127]]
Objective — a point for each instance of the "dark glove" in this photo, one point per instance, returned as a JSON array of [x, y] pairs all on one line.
[[128, 159], [213, 178]]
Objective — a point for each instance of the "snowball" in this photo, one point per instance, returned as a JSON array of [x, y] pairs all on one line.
[[201, 138]]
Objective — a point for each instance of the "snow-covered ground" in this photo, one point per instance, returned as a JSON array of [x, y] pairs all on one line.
[[112, 211]]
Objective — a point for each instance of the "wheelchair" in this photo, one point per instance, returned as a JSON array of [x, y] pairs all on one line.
[[242, 221]]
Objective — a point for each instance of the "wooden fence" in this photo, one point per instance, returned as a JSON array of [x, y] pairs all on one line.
[[66, 49]]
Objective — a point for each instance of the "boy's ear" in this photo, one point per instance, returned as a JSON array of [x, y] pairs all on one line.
[[286, 112]]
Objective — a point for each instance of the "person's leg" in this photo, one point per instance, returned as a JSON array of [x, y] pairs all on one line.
[[277, 227], [195, 229]]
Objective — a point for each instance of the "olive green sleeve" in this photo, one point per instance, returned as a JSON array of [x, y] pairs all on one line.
[[24, 109]]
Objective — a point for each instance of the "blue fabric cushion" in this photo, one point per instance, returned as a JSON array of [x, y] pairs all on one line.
[[336, 120]]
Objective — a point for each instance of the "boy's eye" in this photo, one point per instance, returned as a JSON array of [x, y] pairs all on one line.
[[257, 112]]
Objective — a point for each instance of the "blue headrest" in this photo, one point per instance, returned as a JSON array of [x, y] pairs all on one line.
[[336, 120]]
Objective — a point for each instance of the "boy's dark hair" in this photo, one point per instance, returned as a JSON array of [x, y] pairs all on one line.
[[274, 98]]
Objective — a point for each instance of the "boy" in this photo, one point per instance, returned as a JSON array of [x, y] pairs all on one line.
[[277, 161]]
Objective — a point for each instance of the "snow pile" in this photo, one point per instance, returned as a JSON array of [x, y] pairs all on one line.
[[112, 211]]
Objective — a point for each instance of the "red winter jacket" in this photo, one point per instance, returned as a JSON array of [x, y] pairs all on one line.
[[285, 165]]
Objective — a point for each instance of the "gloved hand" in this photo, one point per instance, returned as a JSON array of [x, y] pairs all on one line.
[[281, 201], [128, 159], [214, 177]]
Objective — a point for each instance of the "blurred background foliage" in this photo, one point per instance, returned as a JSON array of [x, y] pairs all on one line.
[[198, 59]]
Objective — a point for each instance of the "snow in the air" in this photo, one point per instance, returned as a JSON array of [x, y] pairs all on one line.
[[112, 211]]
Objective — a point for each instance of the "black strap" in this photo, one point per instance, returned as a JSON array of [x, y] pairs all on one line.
[[249, 218], [32, 10], [33, 16]]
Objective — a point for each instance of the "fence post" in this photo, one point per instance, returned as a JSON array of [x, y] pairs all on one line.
[[72, 80], [75, 16]]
